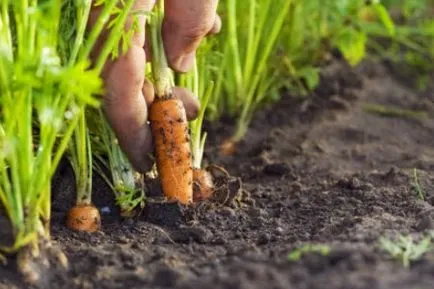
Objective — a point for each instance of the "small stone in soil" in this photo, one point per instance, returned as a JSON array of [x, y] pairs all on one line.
[[278, 231], [105, 210]]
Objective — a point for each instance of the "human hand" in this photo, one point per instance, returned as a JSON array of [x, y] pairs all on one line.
[[128, 93]]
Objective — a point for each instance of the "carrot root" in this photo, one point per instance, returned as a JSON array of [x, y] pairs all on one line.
[[172, 149], [83, 217]]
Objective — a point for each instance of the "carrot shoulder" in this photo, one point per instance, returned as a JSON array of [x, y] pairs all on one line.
[[172, 149]]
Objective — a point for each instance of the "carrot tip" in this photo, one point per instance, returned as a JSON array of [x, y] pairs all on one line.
[[83, 218]]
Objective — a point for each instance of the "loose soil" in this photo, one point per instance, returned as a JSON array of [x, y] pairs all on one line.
[[324, 169]]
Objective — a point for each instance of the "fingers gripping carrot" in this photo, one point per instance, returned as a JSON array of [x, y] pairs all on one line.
[[172, 148]]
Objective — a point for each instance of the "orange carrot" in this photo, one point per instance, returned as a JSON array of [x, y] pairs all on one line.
[[172, 148], [169, 123], [203, 185], [83, 217]]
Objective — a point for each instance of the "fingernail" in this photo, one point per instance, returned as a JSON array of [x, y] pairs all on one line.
[[185, 62]]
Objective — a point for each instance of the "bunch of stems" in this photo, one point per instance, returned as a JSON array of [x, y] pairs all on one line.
[[35, 87], [248, 42]]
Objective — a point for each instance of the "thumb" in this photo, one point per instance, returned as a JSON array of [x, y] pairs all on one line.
[[186, 22]]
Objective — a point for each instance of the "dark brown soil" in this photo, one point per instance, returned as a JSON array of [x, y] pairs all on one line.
[[316, 170]]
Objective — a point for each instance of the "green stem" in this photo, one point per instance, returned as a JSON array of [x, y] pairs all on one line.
[[160, 69], [244, 119], [82, 19], [97, 28], [198, 140], [233, 40], [81, 161], [251, 48]]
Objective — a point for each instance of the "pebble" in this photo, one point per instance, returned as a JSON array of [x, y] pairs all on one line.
[[278, 231], [105, 210]]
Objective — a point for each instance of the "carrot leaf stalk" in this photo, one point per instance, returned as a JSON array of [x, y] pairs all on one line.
[[162, 74], [169, 123]]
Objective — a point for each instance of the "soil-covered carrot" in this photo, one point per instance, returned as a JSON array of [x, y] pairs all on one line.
[[83, 217], [169, 123], [172, 148], [203, 185]]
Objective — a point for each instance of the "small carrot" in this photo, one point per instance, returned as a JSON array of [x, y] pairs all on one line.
[[203, 185], [169, 123], [83, 217]]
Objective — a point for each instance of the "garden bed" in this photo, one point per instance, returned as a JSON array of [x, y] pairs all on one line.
[[325, 169]]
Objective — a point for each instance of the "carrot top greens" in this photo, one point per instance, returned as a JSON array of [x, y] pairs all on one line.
[[46, 82]]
